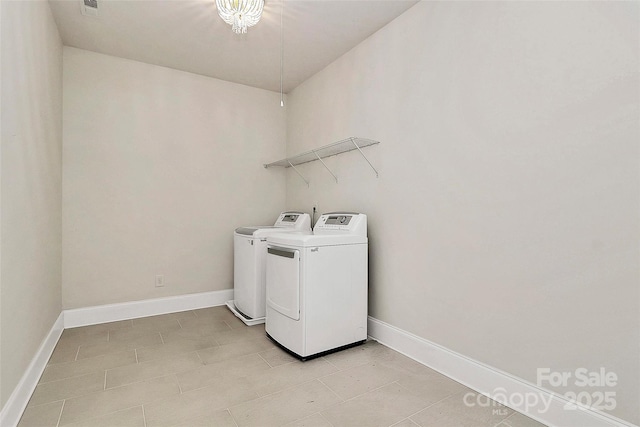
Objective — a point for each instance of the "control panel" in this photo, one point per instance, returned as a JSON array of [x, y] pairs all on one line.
[[289, 218], [297, 220], [338, 220], [341, 222]]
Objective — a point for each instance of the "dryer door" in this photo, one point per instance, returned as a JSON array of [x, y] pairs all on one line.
[[283, 281]]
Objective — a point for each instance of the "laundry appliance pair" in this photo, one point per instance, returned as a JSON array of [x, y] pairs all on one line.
[[316, 285]]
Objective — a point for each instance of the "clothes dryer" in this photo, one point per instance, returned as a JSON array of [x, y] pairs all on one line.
[[317, 286]]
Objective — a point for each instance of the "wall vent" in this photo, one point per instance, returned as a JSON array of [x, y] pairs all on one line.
[[89, 7]]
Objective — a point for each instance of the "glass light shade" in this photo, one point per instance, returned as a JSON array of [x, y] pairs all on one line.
[[240, 14]]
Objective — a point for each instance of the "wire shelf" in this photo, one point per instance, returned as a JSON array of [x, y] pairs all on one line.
[[333, 149]]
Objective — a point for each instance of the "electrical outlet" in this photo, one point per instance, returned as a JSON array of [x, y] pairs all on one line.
[[159, 281]]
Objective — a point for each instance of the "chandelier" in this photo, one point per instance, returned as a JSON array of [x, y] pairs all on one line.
[[240, 14]]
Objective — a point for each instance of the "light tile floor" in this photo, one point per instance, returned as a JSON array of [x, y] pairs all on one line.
[[206, 368]]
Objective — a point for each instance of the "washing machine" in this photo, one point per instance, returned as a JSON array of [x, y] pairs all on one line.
[[249, 258], [317, 286]]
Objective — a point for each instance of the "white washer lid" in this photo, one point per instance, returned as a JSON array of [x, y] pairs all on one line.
[[287, 222], [249, 231]]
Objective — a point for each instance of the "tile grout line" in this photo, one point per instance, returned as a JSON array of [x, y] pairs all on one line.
[[513, 412], [161, 339], [115, 388], [332, 391], [105, 380], [60, 414], [92, 417], [266, 361], [232, 417], [135, 350], [428, 406], [69, 378], [213, 337], [369, 391], [144, 416], [404, 419], [305, 383], [287, 388], [325, 418], [339, 369], [309, 416], [352, 367], [77, 354], [225, 322], [47, 403], [138, 381], [178, 382], [330, 363]]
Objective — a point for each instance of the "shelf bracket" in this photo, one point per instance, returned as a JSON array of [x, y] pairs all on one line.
[[326, 167], [365, 157], [298, 172]]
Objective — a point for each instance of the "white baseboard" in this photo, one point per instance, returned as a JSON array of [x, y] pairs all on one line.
[[151, 307], [498, 385], [15, 406]]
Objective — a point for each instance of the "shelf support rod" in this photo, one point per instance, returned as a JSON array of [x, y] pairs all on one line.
[[326, 167], [298, 172], [365, 157]]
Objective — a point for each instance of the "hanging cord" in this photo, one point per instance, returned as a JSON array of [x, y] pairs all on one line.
[[281, 52]]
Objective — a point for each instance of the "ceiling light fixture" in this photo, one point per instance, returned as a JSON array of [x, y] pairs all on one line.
[[240, 14]]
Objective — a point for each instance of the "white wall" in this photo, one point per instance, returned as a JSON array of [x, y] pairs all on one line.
[[159, 167], [504, 224], [31, 154]]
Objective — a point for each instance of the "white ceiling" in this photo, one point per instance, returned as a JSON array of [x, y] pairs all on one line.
[[189, 35]]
